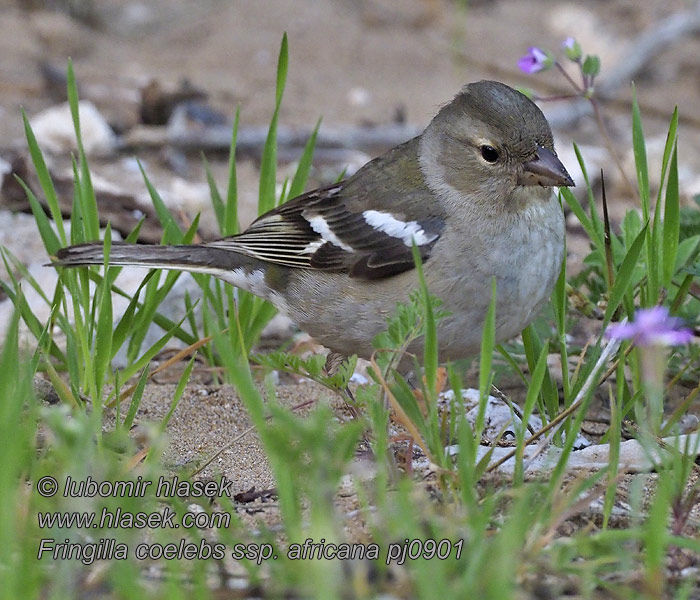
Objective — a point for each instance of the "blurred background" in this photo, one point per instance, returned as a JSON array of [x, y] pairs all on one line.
[[162, 80]]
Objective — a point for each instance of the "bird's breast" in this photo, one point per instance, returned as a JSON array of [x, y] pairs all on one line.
[[524, 258]]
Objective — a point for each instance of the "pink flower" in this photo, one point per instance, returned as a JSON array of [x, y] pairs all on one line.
[[652, 327], [535, 60]]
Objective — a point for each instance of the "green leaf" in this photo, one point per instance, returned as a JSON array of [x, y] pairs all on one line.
[[668, 147], [23, 271], [282, 66], [549, 394], [146, 357], [231, 215], [430, 343], [84, 182], [304, 167], [405, 396], [48, 235], [216, 201], [179, 390], [560, 305], [124, 327], [595, 217], [533, 392], [591, 65], [30, 319], [173, 233], [45, 181], [105, 322], [624, 276], [671, 222], [268, 165], [640, 156], [488, 342], [135, 400]]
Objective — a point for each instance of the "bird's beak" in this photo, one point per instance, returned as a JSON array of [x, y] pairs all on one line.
[[545, 170]]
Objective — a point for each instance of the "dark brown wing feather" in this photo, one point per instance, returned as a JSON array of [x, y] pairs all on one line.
[[290, 235]]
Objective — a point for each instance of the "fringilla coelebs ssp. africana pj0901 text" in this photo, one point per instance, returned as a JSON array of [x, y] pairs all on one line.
[[474, 193]]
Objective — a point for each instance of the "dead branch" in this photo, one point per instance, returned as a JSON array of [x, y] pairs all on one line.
[[251, 140]]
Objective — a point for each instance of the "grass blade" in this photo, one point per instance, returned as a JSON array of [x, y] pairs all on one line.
[[105, 321], [231, 225], [671, 222], [624, 276], [216, 201], [45, 181], [430, 344], [302, 173], [640, 156], [268, 166], [87, 193], [488, 342], [51, 241]]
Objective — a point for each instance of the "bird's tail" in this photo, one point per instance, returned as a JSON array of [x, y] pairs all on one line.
[[229, 265]]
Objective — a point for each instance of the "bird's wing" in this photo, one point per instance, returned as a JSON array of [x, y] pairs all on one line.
[[326, 229]]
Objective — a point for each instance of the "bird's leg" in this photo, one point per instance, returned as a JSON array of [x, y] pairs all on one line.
[[333, 363]]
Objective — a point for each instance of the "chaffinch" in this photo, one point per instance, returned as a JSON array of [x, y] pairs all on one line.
[[473, 192]]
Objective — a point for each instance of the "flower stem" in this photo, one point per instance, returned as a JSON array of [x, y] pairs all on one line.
[[587, 92], [568, 77]]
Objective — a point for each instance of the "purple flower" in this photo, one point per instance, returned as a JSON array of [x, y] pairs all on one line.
[[535, 60], [572, 49], [569, 43], [652, 327]]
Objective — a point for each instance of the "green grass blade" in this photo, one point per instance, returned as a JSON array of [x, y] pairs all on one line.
[[179, 390], [595, 217], [560, 305], [583, 218], [302, 173], [7, 258], [532, 344], [87, 193], [146, 357], [533, 392], [136, 400], [512, 363], [216, 201], [173, 233], [78, 232], [488, 342], [105, 322], [671, 222], [624, 276], [668, 148], [231, 225], [51, 241], [282, 67], [124, 327], [640, 156], [268, 165], [45, 181], [430, 343]]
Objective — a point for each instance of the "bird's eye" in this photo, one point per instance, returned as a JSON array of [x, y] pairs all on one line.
[[489, 153]]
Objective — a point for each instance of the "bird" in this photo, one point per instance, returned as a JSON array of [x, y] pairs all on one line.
[[474, 192]]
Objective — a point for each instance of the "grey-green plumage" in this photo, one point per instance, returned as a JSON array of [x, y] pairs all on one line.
[[473, 192]]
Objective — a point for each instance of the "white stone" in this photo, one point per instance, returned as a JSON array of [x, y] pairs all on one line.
[[55, 132]]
